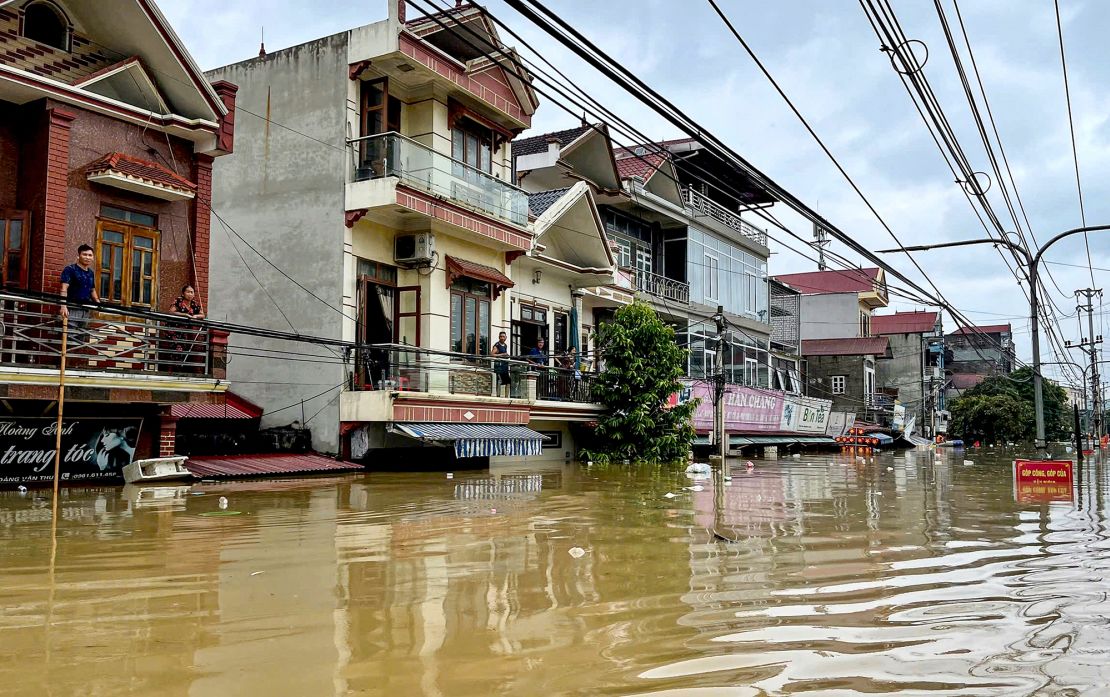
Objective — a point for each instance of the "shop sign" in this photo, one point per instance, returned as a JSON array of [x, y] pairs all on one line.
[[1043, 480], [746, 409], [93, 449]]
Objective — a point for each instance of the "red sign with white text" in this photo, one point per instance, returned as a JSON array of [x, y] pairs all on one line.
[[1043, 480]]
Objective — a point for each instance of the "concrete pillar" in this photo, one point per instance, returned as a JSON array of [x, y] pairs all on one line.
[[530, 380]]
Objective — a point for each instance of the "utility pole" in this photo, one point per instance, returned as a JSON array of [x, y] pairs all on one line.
[[720, 437], [1091, 343], [820, 242]]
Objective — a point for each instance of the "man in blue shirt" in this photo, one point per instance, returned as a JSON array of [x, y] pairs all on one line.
[[79, 287], [537, 354]]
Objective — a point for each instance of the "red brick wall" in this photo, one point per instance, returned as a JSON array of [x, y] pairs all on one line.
[[59, 127], [202, 223], [68, 67], [91, 136]]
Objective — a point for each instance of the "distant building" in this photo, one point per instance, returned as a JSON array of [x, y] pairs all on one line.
[[844, 370], [909, 374], [979, 351], [838, 304]]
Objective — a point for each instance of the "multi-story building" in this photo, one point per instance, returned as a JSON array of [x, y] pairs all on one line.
[[837, 304], [981, 351], [382, 182], [845, 371], [909, 376], [108, 132]]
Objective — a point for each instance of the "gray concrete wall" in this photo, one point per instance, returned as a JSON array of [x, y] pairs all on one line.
[[832, 316], [283, 191], [905, 372], [820, 369]]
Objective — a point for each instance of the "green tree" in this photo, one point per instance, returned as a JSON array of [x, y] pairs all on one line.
[[1001, 408], [643, 366]]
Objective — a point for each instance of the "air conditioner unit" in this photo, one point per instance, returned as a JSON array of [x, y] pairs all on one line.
[[415, 249]]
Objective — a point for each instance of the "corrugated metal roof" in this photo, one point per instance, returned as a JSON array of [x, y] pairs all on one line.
[[987, 329], [904, 323], [822, 282], [856, 346], [541, 201], [197, 410], [261, 465]]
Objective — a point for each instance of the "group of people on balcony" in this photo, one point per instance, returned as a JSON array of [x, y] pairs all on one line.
[[78, 285], [552, 383]]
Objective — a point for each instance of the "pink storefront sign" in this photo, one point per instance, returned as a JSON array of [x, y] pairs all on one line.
[[746, 409]]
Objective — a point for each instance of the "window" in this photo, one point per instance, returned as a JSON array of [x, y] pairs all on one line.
[[712, 277], [869, 383], [751, 372], [470, 323], [643, 260], [44, 22], [864, 324], [473, 145], [13, 266], [127, 257], [624, 254], [561, 339], [838, 382]]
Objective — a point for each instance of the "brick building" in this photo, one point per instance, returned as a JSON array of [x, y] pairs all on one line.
[[108, 132]]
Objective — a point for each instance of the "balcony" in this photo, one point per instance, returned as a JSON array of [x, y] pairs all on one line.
[[422, 168], [402, 368], [703, 205], [662, 287], [111, 349]]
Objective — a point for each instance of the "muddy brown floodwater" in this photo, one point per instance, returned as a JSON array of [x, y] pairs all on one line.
[[915, 574]]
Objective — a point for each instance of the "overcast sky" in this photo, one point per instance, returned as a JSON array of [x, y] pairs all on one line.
[[827, 58]]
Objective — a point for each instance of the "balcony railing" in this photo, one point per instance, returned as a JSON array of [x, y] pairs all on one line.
[[703, 205], [417, 165], [662, 287], [879, 400], [32, 338], [401, 368]]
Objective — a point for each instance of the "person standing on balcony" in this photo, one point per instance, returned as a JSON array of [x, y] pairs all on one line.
[[501, 367], [184, 343], [538, 354], [79, 287]]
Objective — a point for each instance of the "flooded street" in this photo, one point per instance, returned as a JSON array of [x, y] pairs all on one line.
[[911, 574]]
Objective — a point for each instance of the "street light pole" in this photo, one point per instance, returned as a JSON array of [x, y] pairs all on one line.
[[1032, 262]]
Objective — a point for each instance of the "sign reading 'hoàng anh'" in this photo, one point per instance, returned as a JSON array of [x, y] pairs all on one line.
[[1043, 480], [93, 449]]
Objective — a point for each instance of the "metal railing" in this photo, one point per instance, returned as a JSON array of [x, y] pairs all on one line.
[[661, 286], [402, 368], [417, 165], [879, 400], [32, 337], [703, 205]]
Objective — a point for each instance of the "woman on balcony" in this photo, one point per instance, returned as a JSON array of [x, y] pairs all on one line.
[[185, 343]]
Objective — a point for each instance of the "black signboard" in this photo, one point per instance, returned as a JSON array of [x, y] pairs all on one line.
[[93, 449]]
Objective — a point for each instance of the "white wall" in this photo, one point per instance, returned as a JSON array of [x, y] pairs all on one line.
[[831, 316]]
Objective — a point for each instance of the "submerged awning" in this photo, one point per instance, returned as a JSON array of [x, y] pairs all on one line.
[[477, 440]]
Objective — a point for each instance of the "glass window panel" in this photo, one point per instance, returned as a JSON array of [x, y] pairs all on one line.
[[486, 164], [457, 147], [483, 327], [373, 93], [144, 242], [15, 234], [136, 276], [113, 236], [456, 322], [471, 150], [148, 292], [471, 326]]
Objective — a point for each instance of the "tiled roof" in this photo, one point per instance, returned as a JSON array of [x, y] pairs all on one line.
[[133, 167], [854, 346], [541, 201], [967, 381], [642, 166], [209, 411], [822, 282], [535, 144], [260, 465], [461, 267], [904, 323], [987, 329]]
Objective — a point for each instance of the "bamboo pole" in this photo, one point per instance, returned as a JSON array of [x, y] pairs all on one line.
[[61, 407]]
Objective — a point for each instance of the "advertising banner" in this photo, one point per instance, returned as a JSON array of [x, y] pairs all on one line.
[[899, 420], [93, 449], [1043, 480], [805, 414], [746, 409]]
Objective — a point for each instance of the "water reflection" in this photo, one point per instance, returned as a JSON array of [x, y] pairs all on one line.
[[917, 572]]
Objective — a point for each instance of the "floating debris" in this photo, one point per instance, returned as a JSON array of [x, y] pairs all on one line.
[[669, 495], [450, 475], [699, 468], [223, 503], [576, 552]]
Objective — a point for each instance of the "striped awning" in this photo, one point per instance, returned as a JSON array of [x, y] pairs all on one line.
[[477, 440]]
